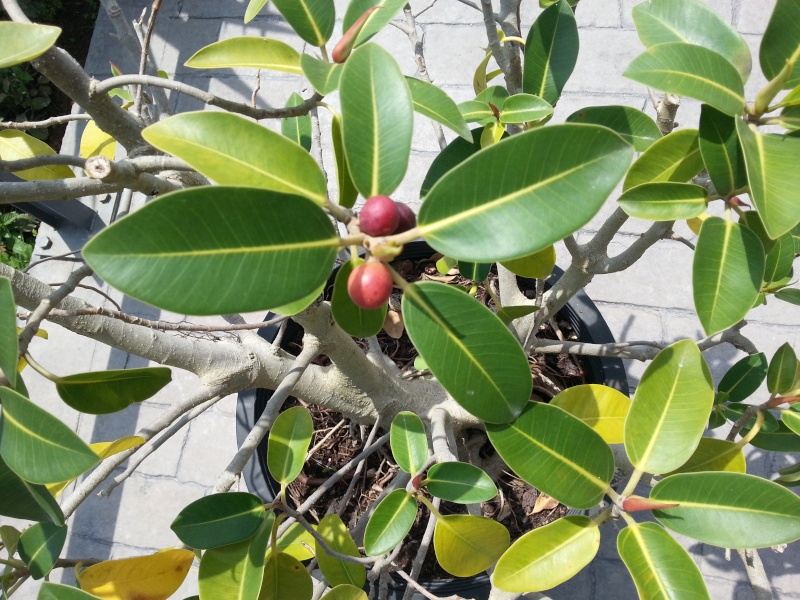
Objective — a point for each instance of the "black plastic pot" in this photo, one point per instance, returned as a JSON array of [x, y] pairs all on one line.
[[582, 315]]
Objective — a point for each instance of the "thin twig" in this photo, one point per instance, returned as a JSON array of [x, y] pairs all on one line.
[[93, 289], [422, 552], [51, 122], [498, 51], [354, 479], [414, 585], [48, 258], [137, 105], [44, 160]]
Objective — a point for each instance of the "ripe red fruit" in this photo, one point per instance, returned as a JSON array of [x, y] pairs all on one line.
[[370, 285], [379, 216], [408, 219]]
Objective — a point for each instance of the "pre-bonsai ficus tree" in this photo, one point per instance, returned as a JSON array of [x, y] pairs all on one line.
[[266, 234]]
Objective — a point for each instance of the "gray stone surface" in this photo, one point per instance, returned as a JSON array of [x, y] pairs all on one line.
[[652, 301]]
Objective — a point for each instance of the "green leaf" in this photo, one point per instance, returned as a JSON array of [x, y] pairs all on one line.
[[545, 557], [289, 440], [790, 295], [459, 482], [781, 43], [435, 104], [337, 537], [376, 21], [105, 392], [782, 369], [779, 259], [731, 510], [546, 439], [721, 151], [551, 51], [602, 408], [246, 51], [633, 125], [790, 99], [312, 20], [9, 345], [692, 71], [453, 154], [347, 189], [521, 108], [477, 360], [494, 94], [505, 202], [57, 591], [659, 565], [744, 378], [390, 523], [693, 22], [235, 571], [219, 520], [735, 410], [297, 541], [297, 129], [253, 8], [40, 545], [538, 265], [345, 592], [324, 76], [781, 440], [285, 578], [789, 476], [508, 313], [9, 537], [21, 42], [475, 111], [753, 222], [664, 201], [296, 306], [466, 545], [408, 442], [211, 142], [23, 500], [670, 409], [474, 271], [790, 117], [727, 272], [16, 145], [771, 162], [36, 445], [791, 420], [675, 157], [355, 320], [715, 455], [377, 120], [148, 255]]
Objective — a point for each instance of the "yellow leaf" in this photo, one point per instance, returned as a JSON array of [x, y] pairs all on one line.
[[602, 408], [22, 362], [544, 502], [153, 577], [96, 142], [695, 222], [537, 265], [16, 145]]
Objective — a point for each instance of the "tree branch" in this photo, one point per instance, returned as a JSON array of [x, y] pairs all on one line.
[[125, 174], [54, 189], [51, 122], [498, 51]]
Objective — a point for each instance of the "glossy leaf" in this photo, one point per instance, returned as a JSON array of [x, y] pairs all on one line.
[[735, 410], [57, 591], [495, 95], [779, 259], [377, 117], [347, 189], [253, 8], [731, 510], [155, 576], [466, 545], [521, 108], [693, 22], [726, 274], [670, 409], [789, 476], [345, 592], [633, 125], [692, 71], [390, 523], [376, 21], [9, 346], [546, 439], [296, 306], [477, 360], [219, 519], [23, 500], [408, 442], [96, 142], [105, 392], [9, 537], [790, 117], [459, 482], [551, 51], [247, 51], [744, 378], [453, 154], [312, 20], [781, 440], [675, 157], [297, 129], [548, 556], [659, 565], [36, 445], [505, 203], [791, 420], [601, 407], [781, 42], [289, 440], [21, 42], [715, 455], [475, 111], [297, 542], [235, 230], [476, 272], [211, 142], [40, 546], [664, 201], [538, 265], [721, 151], [771, 162], [355, 320], [782, 369], [16, 145], [324, 76], [337, 537], [435, 104], [285, 578], [790, 295], [753, 222]]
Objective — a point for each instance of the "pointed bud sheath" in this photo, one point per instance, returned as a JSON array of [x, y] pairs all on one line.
[[417, 480], [637, 503], [345, 45], [736, 201]]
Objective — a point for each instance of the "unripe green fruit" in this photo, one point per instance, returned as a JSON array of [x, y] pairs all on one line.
[[379, 216], [408, 219], [370, 285]]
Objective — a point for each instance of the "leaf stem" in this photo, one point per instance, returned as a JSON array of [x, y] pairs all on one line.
[[636, 476], [40, 369]]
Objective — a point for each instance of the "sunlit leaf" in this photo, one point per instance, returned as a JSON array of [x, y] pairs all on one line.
[[347, 189], [345, 592], [521, 108], [9, 346], [633, 125], [16, 145], [779, 259], [289, 440], [40, 546], [408, 442], [781, 440], [721, 151], [21, 42], [389, 523], [23, 500], [246, 51], [324, 76], [337, 537], [219, 519], [285, 578], [601, 407], [715, 455], [664, 201], [791, 420], [57, 591], [155, 576], [435, 104], [297, 129], [744, 378], [538, 265], [376, 21], [105, 392], [297, 541], [459, 482], [781, 42], [466, 545], [253, 8], [475, 111], [96, 142], [675, 157], [312, 20], [782, 369]]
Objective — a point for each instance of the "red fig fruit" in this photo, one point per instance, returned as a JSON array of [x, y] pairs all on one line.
[[408, 220], [370, 285], [379, 216]]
